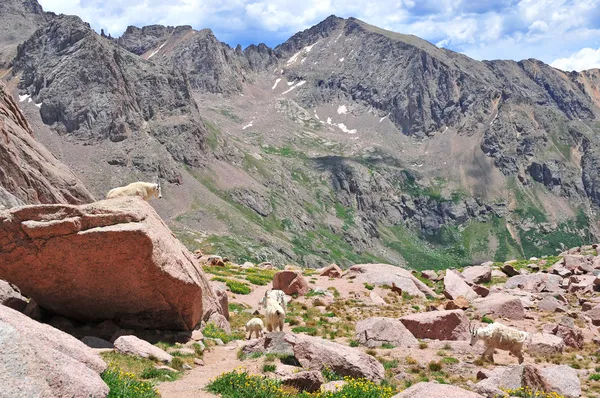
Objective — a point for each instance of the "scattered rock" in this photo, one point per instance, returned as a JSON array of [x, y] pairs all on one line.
[[9, 293], [431, 389], [309, 381], [80, 261], [376, 299], [482, 291], [96, 342], [500, 305], [333, 386], [544, 344], [550, 304], [477, 274], [219, 321], [460, 303], [197, 335], [131, 345], [440, 325], [429, 274], [198, 362], [509, 270], [290, 282], [315, 353], [571, 334], [594, 315], [40, 361], [373, 332], [332, 271], [211, 260], [455, 286]]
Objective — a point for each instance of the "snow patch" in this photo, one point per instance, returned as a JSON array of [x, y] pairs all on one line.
[[39, 105], [301, 83], [157, 50], [342, 110], [495, 117], [294, 57], [345, 129], [276, 83], [23, 97], [328, 120], [29, 99], [342, 59], [290, 83], [446, 129], [383, 118], [246, 126], [317, 116]]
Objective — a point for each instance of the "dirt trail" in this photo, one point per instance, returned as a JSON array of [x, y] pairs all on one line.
[[219, 360]]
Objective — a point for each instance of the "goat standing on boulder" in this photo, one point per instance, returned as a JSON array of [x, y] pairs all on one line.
[[498, 336], [145, 190]]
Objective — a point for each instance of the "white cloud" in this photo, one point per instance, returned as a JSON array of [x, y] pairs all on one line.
[[586, 58]]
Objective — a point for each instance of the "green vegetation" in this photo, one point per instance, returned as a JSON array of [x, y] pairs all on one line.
[[212, 331], [388, 346], [238, 287], [243, 385], [311, 331], [595, 376], [354, 343], [485, 319], [125, 385], [449, 360], [269, 368], [284, 151], [344, 214], [228, 113], [160, 374], [368, 286]]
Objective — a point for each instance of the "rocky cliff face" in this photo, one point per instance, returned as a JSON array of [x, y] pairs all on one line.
[[29, 173], [91, 90]]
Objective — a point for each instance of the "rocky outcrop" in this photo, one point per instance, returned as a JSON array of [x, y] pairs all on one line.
[[40, 361], [29, 173], [127, 100], [271, 343], [19, 20], [332, 271], [114, 259], [309, 381], [477, 274], [373, 332], [545, 344], [315, 353], [440, 325]]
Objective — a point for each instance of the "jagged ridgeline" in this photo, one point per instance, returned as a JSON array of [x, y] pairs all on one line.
[[346, 144]]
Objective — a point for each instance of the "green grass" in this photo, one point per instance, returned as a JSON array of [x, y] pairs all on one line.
[[259, 279], [369, 286], [595, 377], [485, 319], [238, 287], [449, 360], [125, 385], [127, 363], [269, 368], [388, 346], [311, 331], [330, 375], [391, 364], [354, 343], [211, 331], [243, 385], [160, 374]]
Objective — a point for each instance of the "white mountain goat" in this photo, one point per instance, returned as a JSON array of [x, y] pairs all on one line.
[[274, 315], [254, 325], [498, 336], [277, 295], [145, 190]]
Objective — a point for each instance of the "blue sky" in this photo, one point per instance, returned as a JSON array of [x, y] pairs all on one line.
[[564, 33]]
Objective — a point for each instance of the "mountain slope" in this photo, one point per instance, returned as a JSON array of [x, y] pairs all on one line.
[[346, 143]]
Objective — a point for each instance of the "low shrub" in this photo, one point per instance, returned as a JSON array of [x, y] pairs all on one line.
[[269, 368], [354, 343], [311, 331], [212, 331], [238, 287], [125, 385], [527, 392]]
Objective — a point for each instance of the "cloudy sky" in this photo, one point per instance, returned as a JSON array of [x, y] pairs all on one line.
[[564, 33]]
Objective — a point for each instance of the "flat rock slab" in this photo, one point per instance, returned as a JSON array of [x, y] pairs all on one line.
[[373, 332], [500, 305], [423, 390], [131, 345], [386, 274], [37, 360], [439, 325], [113, 259], [455, 286]]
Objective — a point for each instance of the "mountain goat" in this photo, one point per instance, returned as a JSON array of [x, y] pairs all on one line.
[[277, 295], [274, 315], [145, 190], [498, 336], [254, 325]]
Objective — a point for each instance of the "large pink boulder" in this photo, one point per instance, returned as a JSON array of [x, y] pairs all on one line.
[[455, 286], [500, 305], [373, 332], [315, 353], [332, 271], [386, 274], [477, 274], [113, 259], [40, 361], [429, 389], [439, 325], [290, 282]]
